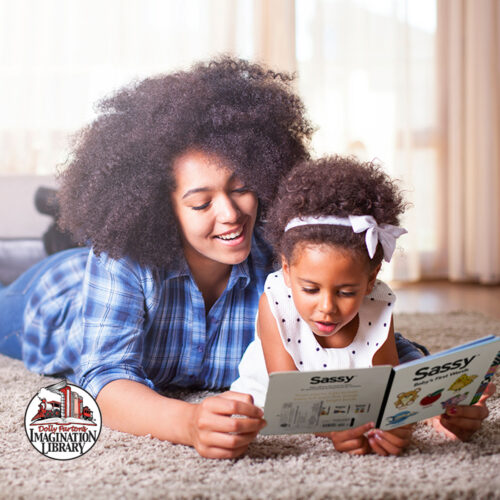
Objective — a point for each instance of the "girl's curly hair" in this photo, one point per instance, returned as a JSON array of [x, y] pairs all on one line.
[[338, 186], [115, 191]]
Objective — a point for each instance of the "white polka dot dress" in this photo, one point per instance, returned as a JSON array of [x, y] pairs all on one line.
[[374, 322]]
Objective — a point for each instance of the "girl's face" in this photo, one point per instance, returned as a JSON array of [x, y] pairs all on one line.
[[328, 286], [215, 210]]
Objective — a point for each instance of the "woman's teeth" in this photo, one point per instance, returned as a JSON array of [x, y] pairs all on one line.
[[231, 236]]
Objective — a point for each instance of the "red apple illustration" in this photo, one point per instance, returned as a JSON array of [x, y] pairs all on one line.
[[430, 398]]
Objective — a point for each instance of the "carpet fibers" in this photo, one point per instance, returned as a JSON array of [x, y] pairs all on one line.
[[275, 467]]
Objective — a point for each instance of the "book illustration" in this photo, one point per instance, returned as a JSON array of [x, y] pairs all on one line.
[[362, 408], [461, 382], [341, 409], [431, 398], [407, 398], [400, 417], [453, 401]]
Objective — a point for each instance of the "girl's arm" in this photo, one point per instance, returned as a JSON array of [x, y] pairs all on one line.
[[275, 354], [388, 353], [209, 426]]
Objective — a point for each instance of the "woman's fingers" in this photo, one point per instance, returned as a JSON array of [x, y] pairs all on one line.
[[219, 411], [240, 396], [224, 425], [233, 403], [228, 441]]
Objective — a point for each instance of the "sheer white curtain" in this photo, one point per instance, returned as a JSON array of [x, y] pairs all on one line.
[[367, 74], [58, 57]]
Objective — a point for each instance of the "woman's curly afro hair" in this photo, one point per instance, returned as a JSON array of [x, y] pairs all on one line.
[[338, 186], [115, 190]]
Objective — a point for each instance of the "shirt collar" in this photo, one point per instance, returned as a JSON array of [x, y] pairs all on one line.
[[182, 269], [238, 272]]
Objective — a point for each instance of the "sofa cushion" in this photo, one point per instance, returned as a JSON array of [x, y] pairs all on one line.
[[17, 255]]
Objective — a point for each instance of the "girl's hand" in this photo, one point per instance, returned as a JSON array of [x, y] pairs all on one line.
[[461, 422], [216, 433], [391, 442], [352, 441]]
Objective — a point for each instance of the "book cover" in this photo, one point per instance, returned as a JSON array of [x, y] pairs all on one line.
[[427, 387], [334, 400]]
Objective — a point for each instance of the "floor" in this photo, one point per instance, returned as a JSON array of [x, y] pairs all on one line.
[[442, 296]]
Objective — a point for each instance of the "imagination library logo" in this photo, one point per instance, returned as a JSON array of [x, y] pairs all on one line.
[[63, 421]]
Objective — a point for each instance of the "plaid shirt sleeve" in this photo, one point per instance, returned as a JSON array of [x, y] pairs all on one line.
[[114, 322]]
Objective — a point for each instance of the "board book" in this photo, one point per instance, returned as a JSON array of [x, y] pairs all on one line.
[[334, 400]]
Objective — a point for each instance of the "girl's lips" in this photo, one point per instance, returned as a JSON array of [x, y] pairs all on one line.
[[325, 327]]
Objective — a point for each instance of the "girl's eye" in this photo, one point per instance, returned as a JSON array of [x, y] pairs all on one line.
[[347, 294], [241, 190], [310, 290], [201, 207]]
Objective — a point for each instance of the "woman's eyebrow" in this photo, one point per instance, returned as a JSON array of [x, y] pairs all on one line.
[[189, 192], [204, 189]]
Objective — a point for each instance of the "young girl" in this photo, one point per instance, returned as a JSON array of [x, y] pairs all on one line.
[[333, 223]]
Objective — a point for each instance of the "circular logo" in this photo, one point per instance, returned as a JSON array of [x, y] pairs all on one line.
[[63, 421]]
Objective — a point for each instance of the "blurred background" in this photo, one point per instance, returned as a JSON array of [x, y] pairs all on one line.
[[411, 83]]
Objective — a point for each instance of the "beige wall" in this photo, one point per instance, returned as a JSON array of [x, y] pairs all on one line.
[[18, 215]]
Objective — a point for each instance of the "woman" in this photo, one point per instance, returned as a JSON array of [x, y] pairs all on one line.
[[169, 186]]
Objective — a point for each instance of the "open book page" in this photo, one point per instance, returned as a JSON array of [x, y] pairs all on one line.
[[323, 401], [427, 387]]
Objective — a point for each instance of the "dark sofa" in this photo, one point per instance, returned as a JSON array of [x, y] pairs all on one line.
[[17, 255]]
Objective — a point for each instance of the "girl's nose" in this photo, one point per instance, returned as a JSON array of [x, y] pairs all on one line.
[[327, 303], [228, 211]]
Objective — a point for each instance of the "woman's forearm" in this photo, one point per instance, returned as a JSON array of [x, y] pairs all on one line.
[[132, 407], [208, 426]]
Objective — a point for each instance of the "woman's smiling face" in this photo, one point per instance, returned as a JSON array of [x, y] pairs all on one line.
[[215, 210]]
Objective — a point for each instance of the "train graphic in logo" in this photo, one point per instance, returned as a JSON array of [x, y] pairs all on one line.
[[68, 405], [62, 421]]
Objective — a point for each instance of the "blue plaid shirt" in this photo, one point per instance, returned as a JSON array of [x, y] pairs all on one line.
[[96, 319]]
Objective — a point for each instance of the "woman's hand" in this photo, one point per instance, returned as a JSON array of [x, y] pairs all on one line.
[[352, 441], [461, 422], [216, 432], [391, 442]]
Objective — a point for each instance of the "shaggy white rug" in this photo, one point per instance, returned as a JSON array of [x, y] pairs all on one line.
[[284, 467]]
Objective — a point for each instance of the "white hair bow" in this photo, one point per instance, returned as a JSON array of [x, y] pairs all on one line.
[[386, 234]]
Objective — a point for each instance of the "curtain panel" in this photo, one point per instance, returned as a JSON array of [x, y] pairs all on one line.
[[469, 84]]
